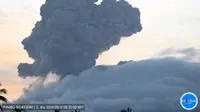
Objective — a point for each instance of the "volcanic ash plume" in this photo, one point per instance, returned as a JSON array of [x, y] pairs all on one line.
[[72, 34]]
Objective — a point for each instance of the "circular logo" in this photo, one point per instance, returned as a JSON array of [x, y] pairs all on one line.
[[189, 101]]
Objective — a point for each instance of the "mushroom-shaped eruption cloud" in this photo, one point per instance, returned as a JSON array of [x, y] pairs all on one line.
[[72, 33]]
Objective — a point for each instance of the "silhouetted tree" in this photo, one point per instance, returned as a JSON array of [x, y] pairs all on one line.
[[19, 110], [2, 98], [123, 110], [56, 110], [126, 110], [129, 109], [76, 111]]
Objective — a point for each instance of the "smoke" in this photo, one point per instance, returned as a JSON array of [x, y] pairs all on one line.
[[72, 33], [153, 85]]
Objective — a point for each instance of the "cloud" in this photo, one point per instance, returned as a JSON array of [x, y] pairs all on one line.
[[3, 16], [190, 54], [152, 85]]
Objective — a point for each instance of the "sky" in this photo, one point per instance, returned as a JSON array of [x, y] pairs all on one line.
[[166, 24]]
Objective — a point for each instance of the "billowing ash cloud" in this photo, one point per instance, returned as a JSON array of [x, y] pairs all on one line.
[[72, 34], [153, 85]]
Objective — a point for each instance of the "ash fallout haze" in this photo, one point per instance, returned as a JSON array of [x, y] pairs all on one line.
[[155, 45]]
